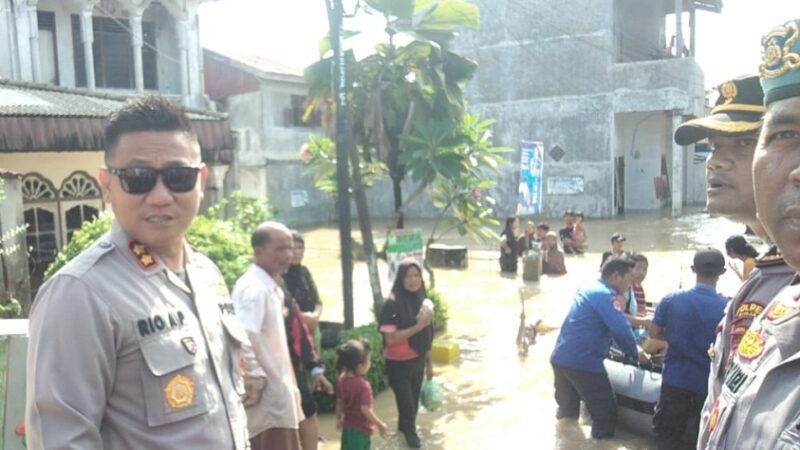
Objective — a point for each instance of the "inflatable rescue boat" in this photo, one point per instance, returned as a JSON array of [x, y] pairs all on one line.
[[637, 388]]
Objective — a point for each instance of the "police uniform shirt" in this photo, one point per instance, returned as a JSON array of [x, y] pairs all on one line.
[[771, 275], [123, 355], [759, 403], [259, 303]]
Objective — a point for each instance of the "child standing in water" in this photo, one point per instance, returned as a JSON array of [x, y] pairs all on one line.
[[354, 414]]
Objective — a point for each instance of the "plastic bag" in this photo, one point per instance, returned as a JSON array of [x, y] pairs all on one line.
[[431, 395]]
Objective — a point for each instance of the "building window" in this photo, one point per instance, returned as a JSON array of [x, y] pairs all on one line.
[[113, 53], [41, 237], [48, 51], [79, 201], [293, 115]]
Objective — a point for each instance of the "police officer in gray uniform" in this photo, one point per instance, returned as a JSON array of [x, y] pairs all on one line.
[[732, 129], [133, 344], [759, 403]]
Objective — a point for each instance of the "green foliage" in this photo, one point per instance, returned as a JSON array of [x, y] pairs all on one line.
[[226, 242], [90, 231], [376, 376], [223, 243], [460, 164], [247, 212], [441, 313], [321, 165]]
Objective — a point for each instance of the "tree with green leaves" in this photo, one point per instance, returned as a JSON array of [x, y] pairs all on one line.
[[409, 118]]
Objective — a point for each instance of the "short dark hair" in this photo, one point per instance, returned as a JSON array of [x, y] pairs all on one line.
[[617, 264], [148, 113], [638, 257], [543, 226], [352, 353]]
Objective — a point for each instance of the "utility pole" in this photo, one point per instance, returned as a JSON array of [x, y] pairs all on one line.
[[339, 67]]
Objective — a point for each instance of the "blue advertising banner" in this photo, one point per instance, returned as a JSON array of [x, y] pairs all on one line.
[[529, 202]]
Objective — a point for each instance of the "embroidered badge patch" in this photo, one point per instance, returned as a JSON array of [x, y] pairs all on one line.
[[189, 344], [728, 91], [146, 260], [751, 345], [712, 421], [779, 310], [179, 391]]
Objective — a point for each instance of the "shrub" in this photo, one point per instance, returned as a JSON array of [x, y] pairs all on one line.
[[441, 315], [376, 375]]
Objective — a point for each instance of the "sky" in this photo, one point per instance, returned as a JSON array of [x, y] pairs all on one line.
[[289, 31]]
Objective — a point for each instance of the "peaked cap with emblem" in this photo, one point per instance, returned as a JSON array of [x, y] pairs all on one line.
[[780, 67], [738, 110]]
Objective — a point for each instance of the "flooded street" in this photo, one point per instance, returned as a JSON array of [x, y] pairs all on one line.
[[493, 398]]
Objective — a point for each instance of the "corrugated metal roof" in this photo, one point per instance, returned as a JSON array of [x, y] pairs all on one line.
[[18, 98], [37, 118]]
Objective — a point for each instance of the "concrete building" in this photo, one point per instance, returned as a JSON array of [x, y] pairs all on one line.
[[64, 66], [266, 100], [602, 87], [119, 46]]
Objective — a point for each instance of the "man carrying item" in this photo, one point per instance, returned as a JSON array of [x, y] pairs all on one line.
[[593, 320], [759, 403], [732, 129], [133, 345], [687, 320]]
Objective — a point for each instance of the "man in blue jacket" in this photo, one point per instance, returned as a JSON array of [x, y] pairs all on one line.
[[687, 320], [594, 319]]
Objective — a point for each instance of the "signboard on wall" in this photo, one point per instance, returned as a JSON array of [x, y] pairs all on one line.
[[529, 199], [402, 244], [565, 185]]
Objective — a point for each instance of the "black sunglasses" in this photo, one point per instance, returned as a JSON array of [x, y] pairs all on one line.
[[141, 180]]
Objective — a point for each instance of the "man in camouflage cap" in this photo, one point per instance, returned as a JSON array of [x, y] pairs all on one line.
[[759, 404]]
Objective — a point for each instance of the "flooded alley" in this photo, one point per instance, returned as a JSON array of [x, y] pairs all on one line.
[[494, 398]]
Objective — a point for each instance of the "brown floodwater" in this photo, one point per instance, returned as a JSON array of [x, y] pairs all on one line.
[[495, 399]]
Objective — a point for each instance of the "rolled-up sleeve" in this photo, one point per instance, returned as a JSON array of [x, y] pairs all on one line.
[[71, 363]]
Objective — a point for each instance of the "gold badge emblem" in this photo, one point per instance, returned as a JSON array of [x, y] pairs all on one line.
[[751, 345], [712, 421], [144, 257], [778, 57], [728, 91], [179, 391], [778, 311]]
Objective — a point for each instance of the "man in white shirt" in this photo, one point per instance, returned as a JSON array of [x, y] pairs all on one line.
[[259, 303]]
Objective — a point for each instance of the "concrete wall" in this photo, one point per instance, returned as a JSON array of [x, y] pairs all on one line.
[[642, 139], [549, 72]]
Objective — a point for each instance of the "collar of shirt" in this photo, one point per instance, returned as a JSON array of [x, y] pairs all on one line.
[[152, 266], [607, 286], [705, 287], [264, 277]]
